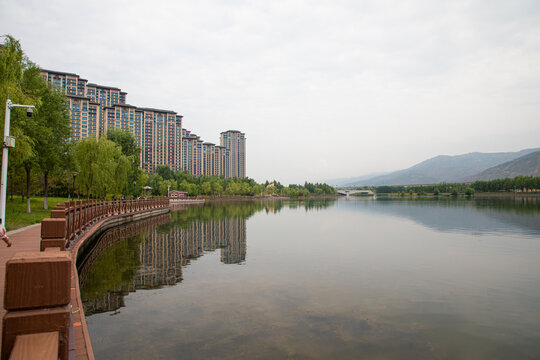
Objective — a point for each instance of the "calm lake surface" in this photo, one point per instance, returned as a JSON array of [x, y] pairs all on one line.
[[326, 279]]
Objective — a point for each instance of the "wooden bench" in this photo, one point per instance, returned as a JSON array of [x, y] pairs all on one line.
[[42, 346]]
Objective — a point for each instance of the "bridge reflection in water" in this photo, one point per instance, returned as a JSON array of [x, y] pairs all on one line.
[[150, 254]]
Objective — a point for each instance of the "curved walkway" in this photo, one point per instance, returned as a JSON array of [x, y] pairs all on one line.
[[28, 239]]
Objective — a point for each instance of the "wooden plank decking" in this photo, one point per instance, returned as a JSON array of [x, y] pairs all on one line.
[[24, 240], [27, 240]]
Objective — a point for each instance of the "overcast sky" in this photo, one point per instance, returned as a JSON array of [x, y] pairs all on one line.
[[322, 89]]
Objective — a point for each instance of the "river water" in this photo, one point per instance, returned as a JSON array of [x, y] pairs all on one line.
[[322, 279]]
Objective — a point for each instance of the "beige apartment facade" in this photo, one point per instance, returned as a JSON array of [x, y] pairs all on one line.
[[95, 109], [235, 142]]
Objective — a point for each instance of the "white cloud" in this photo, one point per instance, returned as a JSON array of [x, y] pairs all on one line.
[[321, 89]]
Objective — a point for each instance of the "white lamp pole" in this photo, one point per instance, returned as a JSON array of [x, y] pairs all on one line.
[[9, 142]]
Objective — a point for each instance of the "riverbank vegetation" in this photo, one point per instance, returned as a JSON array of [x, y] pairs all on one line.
[[516, 184], [165, 178], [522, 184], [46, 163], [422, 190], [41, 139]]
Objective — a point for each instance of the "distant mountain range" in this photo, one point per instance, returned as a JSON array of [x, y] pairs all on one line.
[[357, 179], [459, 168], [525, 165]]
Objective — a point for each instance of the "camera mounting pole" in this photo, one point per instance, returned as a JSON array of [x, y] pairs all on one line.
[[8, 141]]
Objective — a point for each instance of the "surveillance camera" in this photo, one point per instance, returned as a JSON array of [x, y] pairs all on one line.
[[29, 112]]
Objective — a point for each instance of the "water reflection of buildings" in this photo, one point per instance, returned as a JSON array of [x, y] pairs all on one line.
[[152, 253], [162, 254]]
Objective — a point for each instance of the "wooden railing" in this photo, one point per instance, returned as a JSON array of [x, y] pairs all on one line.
[[37, 322], [70, 219]]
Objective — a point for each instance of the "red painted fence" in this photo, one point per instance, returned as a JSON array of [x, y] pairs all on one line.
[[70, 219]]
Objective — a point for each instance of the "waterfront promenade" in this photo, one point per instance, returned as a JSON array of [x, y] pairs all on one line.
[[28, 240]]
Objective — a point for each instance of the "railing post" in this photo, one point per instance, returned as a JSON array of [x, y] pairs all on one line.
[[87, 212], [71, 215], [79, 228], [83, 215], [76, 217], [36, 297], [53, 231], [92, 210]]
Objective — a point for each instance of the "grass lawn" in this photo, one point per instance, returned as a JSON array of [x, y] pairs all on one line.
[[16, 214]]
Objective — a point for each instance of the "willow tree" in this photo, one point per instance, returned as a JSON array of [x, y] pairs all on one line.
[[128, 145], [113, 168], [102, 167]]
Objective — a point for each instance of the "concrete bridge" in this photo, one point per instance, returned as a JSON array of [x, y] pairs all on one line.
[[347, 192]]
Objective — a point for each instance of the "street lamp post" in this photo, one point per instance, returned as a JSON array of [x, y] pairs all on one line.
[[74, 176], [9, 142]]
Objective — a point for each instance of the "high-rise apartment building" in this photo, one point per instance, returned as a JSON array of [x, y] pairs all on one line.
[[192, 153], [203, 158], [222, 161], [216, 160], [96, 109], [235, 142]]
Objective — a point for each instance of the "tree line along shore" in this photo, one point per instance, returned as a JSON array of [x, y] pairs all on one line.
[[45, 163], [519, 184]]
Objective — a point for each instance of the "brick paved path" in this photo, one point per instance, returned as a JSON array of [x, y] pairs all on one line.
[[24, 240]]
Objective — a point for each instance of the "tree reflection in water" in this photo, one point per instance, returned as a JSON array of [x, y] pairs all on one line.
[[151, 253]]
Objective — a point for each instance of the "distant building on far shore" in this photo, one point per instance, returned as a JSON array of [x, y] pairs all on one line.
[[235, 142]]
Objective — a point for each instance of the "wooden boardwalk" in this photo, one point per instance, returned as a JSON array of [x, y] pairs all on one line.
[[24, 240], [28, 240]]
